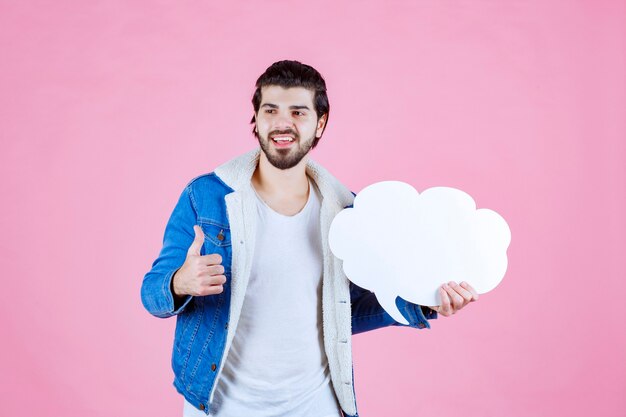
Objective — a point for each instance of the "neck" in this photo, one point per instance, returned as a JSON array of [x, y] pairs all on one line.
[[282, 183]]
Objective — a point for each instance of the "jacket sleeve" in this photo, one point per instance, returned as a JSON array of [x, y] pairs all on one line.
[[368, 314], [156, 292]]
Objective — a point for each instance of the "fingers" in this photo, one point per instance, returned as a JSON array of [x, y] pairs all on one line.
[[211, 279], [470, 289], [208, 285], [465, 294], [206, 266], [214, 280], [215, 269], [445, 309], [212, 285], [212, 259], [455, 298], [198, 240], [210, 290]]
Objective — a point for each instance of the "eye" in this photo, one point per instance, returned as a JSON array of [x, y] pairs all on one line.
[[298, 113]]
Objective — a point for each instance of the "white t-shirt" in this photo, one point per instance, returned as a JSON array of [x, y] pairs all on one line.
[[276, 365]]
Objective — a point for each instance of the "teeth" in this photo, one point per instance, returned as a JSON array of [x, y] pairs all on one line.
[[283, 139]]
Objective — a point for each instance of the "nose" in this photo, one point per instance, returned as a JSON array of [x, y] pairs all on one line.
[[282, 122]]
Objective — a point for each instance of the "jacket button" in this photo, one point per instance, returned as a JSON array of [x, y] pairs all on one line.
[[201, 407], [213, 367], [220, 235], [420, 325]]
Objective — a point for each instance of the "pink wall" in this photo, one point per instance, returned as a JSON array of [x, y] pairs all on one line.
[[108, 108]]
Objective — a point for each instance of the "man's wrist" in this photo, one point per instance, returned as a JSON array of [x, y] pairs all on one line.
[[428, 311], [176, 296]]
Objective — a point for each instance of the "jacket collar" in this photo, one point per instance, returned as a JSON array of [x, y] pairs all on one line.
[[238, 172]]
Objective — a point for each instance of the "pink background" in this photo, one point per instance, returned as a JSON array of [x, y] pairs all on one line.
[[108, 108]]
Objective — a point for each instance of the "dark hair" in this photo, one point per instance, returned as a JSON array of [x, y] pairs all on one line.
[[289, 74]]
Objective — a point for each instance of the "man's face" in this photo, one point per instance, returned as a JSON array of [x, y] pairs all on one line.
[[287, 124]]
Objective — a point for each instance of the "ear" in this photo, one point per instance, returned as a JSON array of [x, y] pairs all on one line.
[[320, 125]]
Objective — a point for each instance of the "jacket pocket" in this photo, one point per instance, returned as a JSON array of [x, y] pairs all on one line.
[[214, 232]]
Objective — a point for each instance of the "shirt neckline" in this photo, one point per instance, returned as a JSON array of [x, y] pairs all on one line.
[[284, 216]]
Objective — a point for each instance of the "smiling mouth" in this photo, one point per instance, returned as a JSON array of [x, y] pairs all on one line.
[[283, 139]]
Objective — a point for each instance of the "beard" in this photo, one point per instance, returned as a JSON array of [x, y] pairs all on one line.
[[288, 157]]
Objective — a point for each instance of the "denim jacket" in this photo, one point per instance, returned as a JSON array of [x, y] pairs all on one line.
[[222, 203]]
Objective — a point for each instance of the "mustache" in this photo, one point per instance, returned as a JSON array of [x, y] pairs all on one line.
[[283, 132]]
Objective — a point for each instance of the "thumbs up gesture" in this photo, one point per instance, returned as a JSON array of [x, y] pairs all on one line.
[[199, 275]]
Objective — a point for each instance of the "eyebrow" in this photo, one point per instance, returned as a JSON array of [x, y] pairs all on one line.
[[274, 106]]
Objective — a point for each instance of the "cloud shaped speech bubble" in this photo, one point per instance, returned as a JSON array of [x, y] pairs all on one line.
[[397, 242]]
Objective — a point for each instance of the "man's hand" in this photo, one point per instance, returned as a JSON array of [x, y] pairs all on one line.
[[454, 297], [199, 275]]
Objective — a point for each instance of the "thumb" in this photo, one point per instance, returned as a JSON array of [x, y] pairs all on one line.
[[196, 245]]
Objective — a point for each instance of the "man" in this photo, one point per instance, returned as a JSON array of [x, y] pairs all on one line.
[[264, 311]]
